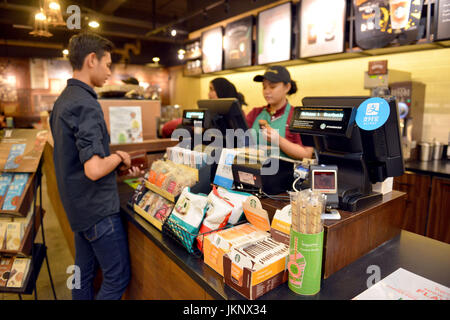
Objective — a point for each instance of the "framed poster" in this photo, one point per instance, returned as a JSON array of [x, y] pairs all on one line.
[[125, 124], [443, 20], [39, 73], [322, 24], [237, 43], [379, 22], [212, 50], [274, 34]]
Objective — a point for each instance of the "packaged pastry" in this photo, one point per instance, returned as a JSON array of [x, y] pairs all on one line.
[[5, 270], [217, 213], [13, 235], [2, 234], [18, 273], [237, 199]]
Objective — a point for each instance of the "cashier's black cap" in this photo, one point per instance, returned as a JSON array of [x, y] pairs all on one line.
[[274, 74]]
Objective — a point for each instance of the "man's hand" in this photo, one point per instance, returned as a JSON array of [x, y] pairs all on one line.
[[135, 172], [126, 160]]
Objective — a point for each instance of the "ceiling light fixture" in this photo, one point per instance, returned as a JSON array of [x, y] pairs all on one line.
[[155, 59], [65, 52], [54, 5], [93, 24], [40, 25], [173, 32], [181, 54], [53, 12]]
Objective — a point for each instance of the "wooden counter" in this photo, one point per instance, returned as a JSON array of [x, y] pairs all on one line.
[[356, 233], [162, 269], [155, 149]]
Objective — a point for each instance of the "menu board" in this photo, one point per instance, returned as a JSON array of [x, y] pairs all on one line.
[[322, 26], [274, 34], [443, 20], [212, 50], [237, 43], [379, 22]]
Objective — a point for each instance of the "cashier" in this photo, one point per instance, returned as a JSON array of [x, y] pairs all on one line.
[[271, 122], [222, 88]]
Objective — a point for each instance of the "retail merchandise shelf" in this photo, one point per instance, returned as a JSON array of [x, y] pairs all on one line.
[[155, 222], [33, 272], [163, 193], [29, 235], [24, 201], [349, 53]]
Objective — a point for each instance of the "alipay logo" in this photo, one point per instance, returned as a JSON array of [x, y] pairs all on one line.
[[372, 109]]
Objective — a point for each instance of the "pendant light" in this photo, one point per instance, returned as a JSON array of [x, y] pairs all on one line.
[[53, 10], [40, 25]]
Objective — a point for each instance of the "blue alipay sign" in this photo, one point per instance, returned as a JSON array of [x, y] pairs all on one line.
[[372, 113]]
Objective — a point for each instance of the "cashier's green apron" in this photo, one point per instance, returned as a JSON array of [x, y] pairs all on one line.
[[278, 123]]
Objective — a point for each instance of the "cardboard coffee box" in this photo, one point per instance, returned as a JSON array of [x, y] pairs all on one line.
[[255, 268], [217, 244]]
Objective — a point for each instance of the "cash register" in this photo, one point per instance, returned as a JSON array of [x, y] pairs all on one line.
[[250, 167], [359, 136]]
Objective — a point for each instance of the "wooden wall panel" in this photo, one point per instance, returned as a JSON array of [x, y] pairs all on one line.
[[417, 187], [154, 275], [438, 226]]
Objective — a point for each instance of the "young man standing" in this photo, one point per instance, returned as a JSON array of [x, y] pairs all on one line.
[[85, 171]]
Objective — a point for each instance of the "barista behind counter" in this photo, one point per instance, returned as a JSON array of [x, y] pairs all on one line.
[[274, 118]]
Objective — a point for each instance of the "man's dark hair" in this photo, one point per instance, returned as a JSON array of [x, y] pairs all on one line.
[[82, 44]]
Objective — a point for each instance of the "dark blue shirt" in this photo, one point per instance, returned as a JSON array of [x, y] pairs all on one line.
[[79, 132]]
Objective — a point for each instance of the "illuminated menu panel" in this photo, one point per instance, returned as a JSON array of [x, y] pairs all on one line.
[[322, 25], [212, 50], [274, 34], [237, 43]]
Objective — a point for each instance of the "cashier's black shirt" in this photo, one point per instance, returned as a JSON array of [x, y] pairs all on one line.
[[79, 132]]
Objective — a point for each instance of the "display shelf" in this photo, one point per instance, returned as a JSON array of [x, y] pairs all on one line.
[[353, 53], [144, 214], [40, 252], [29, 235], [24, 201], [163, 193]]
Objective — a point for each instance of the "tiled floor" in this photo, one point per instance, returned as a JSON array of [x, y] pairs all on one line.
[[59, 258]]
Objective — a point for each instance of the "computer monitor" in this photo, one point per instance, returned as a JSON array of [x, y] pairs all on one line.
[[363, 157], [223, 114]]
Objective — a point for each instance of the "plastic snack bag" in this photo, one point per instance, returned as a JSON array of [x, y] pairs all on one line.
[[187, 216], [217, 213], [237, 199]]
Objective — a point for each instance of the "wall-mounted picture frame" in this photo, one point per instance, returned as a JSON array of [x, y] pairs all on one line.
[[238, 43], [274, 30], [322, 27], [212, 50]]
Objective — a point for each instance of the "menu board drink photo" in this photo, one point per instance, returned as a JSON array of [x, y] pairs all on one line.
[[322, 26], [274, 31], [443, 20], [379, 22], [237, 43], [212, 50]]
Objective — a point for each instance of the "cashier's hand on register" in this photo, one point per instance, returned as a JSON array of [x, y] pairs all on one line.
[[270, 134]]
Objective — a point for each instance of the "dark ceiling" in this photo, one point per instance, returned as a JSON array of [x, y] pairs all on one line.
[[122, 21]]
